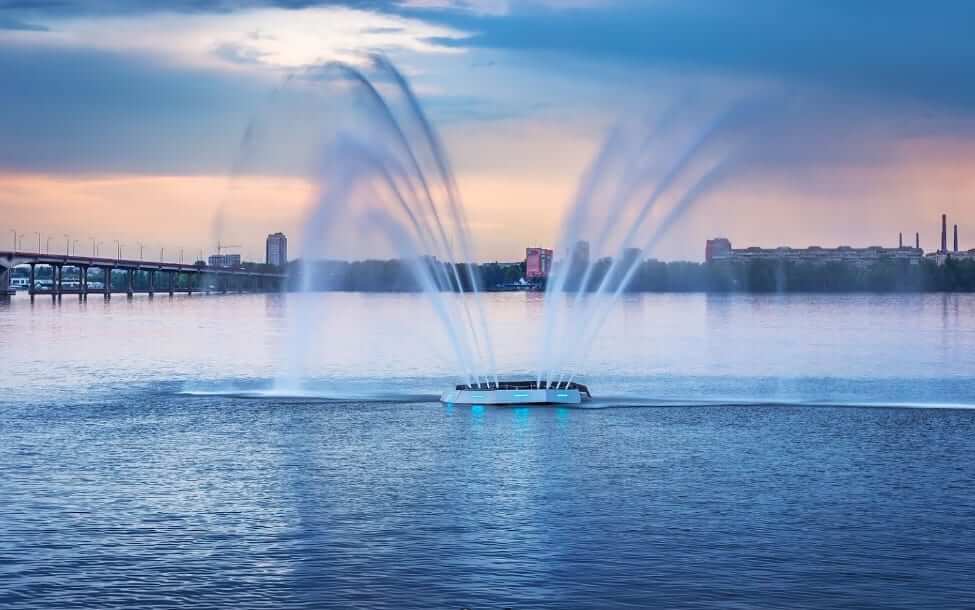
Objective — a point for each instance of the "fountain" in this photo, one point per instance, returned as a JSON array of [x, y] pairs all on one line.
[[626, 201], [385, 179]]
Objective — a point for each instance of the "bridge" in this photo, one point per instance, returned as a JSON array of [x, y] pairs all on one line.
[[126, 276]]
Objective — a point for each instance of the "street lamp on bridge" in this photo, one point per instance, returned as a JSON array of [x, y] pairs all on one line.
[[67, 244], [38, 234], [118, 245]]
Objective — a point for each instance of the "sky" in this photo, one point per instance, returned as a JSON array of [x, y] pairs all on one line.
[[122, 123]]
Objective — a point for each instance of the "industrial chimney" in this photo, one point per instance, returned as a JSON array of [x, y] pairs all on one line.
[[917, 240], [944, 233], [956, 238], [900, 240]]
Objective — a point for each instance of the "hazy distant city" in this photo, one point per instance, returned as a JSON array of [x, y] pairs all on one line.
[[904, 268]]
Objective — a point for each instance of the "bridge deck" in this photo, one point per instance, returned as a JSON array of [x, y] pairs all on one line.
[[9, 259]]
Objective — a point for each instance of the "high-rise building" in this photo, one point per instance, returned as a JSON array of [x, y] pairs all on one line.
[[538, 262], [629, 259], [719, 247], [277, 250], [580, 254]]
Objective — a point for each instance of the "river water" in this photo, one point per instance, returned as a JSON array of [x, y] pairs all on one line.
[[742, 451]]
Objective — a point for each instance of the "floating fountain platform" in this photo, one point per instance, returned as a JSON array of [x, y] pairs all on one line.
[[517, 393]]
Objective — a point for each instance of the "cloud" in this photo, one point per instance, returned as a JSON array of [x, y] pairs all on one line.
[[91, 8], [240, 53], [81, 110], [268, 37], [14, 24], [900, 49]]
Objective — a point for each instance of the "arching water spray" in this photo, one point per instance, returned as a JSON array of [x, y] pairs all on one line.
[[620, 223], [384, 174]]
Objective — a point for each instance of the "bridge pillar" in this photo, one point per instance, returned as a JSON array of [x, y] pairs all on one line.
[[33, 276], [4, 283], [172, 283], [107, 282], [83, 272], [58, 271], [152, 283], [128, 284]]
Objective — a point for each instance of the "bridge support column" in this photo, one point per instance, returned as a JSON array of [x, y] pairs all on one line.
[[107, 282], [58, 272], [33, 276], [128, 284], [172, 283], [83, 272], [4, 284], [152, 283]]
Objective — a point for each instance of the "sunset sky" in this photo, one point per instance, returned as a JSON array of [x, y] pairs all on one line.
[[120, 121]]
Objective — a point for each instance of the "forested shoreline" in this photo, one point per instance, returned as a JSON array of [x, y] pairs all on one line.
[[758, 276]]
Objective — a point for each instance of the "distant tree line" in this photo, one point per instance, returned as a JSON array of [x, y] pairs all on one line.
[[397, 275], [885, 275]]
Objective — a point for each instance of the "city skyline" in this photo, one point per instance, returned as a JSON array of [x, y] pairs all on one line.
[[147, 148], [276, 248]]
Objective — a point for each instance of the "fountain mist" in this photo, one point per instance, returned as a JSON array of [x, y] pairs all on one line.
[[385, 180], [626, 203]]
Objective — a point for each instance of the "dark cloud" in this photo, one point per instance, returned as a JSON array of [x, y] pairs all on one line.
[[11, 23], [854, 60], [81, 110], [898, 49], [56, 8]]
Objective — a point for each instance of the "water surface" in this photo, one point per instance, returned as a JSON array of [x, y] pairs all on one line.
[[141, 467]]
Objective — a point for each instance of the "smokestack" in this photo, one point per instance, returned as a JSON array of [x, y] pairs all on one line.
[[917, 240], [900, 240], [944, 233], [956, 238]]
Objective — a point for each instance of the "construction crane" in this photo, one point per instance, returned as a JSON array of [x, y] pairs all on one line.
[[222, 247]]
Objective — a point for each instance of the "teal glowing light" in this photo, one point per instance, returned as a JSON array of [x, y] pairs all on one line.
[[520, 395]]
